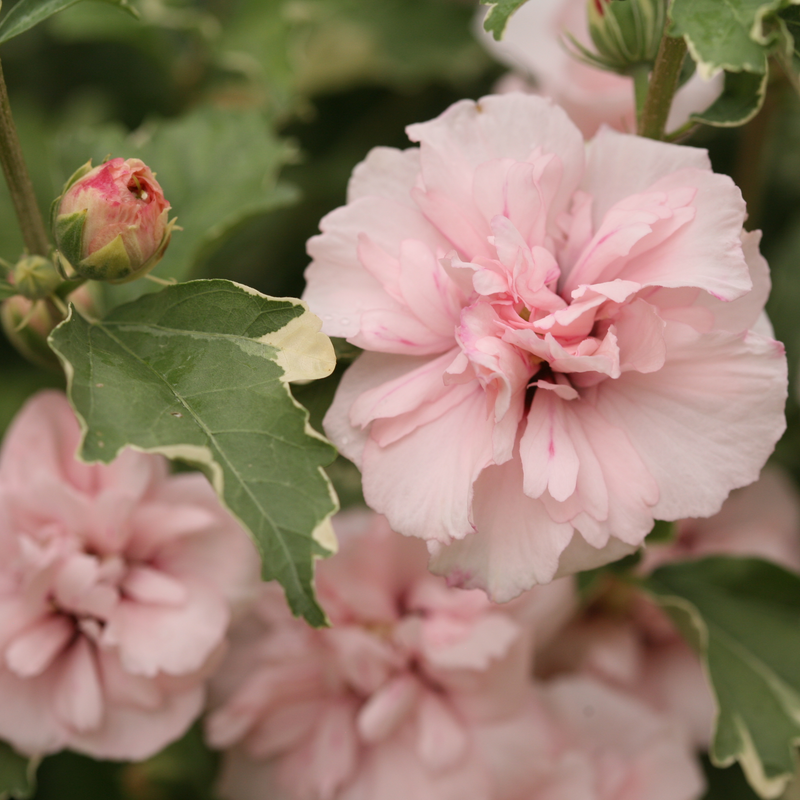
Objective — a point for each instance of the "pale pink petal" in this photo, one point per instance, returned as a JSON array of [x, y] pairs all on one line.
[[158, 638], [715, 408], [469, 134], [329, 758], [674, 683], [28, 717], [369, 371], [487, 639], [636, 753], [518, 544], [146, 585], [134, 732], [31, 652], [442, 738], [442, 491], [78, 699], [549, 457], [613, 491], [385, 172], [387, 708], [338, 285], [619, 165], [423, 386], [286, 727]]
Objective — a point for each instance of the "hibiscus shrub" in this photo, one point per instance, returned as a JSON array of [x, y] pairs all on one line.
[[524, 339]]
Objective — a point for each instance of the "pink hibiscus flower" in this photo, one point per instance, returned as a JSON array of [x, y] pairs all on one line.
[[416, 691], [615, 748], [564, 344], [116, 589], [532, 46], [629, 643]]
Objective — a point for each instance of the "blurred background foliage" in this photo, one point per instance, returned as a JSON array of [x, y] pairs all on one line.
[[253, 113]]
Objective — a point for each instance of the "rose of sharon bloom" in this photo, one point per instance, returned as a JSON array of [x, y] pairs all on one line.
[[561, 341], [123, 215], [638, 649], [615, 748], [532, 46], [417, 691], [116, 588]]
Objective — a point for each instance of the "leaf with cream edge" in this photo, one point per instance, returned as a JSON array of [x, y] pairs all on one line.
[[740, 614], [27, 13], [499, 13], [735, 35], [200, 372], [17, 774]]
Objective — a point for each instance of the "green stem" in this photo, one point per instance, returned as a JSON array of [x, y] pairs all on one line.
[[641, 83], [663, 84], [34, 233]]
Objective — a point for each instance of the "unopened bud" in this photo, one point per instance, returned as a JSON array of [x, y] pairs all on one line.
[[27, 324], [111, 222], [35, 277], [626, 33]]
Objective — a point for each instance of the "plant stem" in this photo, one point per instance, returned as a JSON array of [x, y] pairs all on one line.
[[641, 83], [34, 233], [663, 84]]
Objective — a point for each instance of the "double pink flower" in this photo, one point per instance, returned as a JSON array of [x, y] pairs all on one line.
[[563, 343], [117, 585]]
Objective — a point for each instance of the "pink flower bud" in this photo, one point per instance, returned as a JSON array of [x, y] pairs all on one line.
[[111, 223], [27, 324]]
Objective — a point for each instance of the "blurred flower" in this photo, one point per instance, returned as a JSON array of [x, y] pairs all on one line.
[[420, 691], [27, 324], [761, 520], [111, 223], [116, 587], [615, 748], [532, 47], [416, 691], [623, 639], [563, 344]]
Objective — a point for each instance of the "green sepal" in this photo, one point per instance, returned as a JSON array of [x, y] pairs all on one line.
[[36, 277], [153, 260], [79, 173], [73, 179], [740, 101], [68, 233], [110, 263]]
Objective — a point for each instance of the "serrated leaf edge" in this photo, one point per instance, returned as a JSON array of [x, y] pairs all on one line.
[[323, 534]]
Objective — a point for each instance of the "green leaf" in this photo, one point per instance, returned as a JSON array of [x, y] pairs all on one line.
[[17, 774], [498, 15], [27, 13], [199, 372], [217, 169], [734, 35], [740, 101], [742, 616]]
